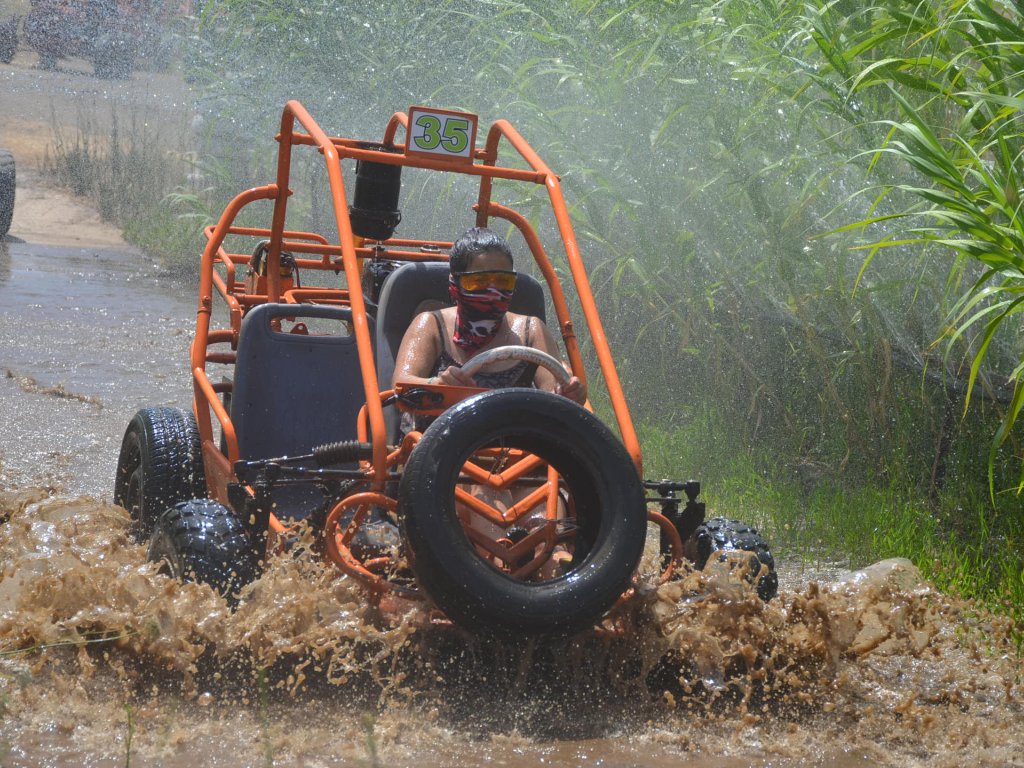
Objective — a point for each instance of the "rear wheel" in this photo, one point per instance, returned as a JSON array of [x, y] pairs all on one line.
[[7, 184], [202, 541], [160, 464], [505, 576], [721, 535]]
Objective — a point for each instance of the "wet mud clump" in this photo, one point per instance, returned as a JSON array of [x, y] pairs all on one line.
[[102, 657]]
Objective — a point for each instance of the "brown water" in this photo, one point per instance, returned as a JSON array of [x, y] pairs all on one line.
[[105, 663]]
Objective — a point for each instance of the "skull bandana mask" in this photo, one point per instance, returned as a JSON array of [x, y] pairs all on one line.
[[477, 314]]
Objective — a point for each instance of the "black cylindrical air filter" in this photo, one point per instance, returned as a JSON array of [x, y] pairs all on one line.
[[374, 211]]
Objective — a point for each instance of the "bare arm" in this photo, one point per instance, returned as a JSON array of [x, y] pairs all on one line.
[[545, 342], [418, 352]]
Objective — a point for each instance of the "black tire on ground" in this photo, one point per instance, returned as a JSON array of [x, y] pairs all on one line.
[[719, 533], [7, 185], [160, 465], [606, 492], [202, 541]]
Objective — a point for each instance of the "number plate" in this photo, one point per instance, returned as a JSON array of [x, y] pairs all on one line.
[[441, 134]]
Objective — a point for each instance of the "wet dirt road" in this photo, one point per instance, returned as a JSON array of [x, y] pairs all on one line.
[[87, 336]]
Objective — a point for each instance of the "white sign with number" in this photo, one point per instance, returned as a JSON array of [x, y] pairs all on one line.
[[441, 133]]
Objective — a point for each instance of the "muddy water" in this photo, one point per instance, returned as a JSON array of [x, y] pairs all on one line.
[[87, 336], [105, 663]]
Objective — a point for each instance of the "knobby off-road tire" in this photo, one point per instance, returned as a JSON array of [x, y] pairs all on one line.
[[7, 184], [719, 533], [202, 541], [160, 464], [606, 492]]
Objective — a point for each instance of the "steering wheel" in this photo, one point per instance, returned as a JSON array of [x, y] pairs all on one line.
[[518, 352]]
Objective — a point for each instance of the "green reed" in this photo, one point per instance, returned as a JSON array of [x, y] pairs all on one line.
[[959, 130], [137, 172], [129, 733]]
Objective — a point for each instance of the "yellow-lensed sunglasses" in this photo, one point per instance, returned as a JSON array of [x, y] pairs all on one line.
[[502, 279]]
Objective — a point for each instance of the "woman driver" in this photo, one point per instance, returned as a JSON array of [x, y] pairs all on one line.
[[481, 284]]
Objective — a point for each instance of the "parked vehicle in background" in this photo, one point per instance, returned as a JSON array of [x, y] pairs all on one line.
[[112, 34], [6, 191]]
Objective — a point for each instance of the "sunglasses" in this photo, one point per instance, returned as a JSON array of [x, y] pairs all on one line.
[[502, 279]]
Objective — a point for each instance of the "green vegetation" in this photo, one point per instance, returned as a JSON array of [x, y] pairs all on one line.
[[126, 173], [955, 538], [802, 220], [129, 713]]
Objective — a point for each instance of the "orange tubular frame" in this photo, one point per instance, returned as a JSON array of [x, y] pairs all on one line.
[[313, 251]]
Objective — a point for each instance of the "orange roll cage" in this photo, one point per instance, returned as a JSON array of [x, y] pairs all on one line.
[[219, 276]]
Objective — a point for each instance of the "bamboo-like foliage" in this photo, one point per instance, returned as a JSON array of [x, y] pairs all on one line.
[[956, 92]]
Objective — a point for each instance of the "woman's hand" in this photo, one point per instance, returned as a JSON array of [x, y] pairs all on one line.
[[454, 377], [574, 389]]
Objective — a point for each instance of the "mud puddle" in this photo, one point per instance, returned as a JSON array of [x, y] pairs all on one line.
[[96, 649], [87, 336]]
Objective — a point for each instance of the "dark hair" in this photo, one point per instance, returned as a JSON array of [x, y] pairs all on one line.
[[474, 242]]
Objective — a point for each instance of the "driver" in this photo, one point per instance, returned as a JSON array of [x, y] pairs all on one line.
[[481, 284]]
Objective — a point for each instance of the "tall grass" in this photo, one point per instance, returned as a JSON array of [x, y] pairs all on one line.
[[960, 130], [810, 517], [141, 176]]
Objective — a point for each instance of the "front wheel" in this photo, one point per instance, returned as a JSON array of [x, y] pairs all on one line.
[[560, 547], [160, 464], [202, 541]]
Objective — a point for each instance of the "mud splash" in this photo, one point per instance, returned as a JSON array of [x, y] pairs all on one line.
[[104, 661]]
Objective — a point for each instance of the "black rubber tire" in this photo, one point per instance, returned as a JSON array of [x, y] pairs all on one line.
[[720, 533], [160, 465], [7, 186], [607, 494], [202, 541]]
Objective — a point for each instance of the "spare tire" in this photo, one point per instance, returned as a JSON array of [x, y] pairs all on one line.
[[602, 489], [7, 184], [720, 534], [160, 464], [203, 542]]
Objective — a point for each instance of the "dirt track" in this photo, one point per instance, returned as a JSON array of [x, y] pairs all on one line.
[[35, 105]]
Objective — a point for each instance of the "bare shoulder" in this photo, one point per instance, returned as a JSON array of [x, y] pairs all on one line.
[[423, 325], [523, 322]]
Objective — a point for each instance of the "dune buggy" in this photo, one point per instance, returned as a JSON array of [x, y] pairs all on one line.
[[519, 510]]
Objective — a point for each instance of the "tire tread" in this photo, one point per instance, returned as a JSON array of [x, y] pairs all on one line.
[[720, 533], [206, 543]]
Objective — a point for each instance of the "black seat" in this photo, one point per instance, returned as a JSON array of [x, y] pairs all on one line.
[[294, 391], [403, 297]]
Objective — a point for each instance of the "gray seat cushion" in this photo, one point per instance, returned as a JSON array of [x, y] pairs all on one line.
[[293, 392]]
